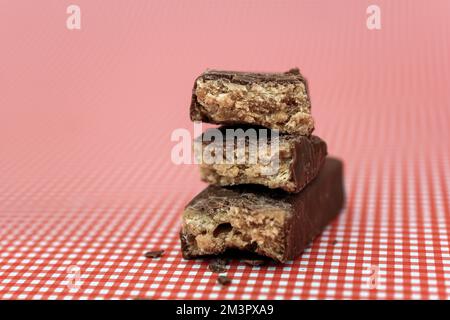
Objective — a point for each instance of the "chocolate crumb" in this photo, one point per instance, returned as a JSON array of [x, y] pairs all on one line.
[[335, 242], [256, 263], [218, 265], [224, 280], [154, 254]]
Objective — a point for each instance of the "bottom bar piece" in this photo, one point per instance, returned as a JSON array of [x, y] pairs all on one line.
[[271, 223]]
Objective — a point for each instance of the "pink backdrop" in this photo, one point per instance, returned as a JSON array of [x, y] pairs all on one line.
[[86, 117]]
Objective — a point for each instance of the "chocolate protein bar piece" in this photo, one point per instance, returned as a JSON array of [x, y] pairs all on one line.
[[271, 223], [273, 100], [242, 156]]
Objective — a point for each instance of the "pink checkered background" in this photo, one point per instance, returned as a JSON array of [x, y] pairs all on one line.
[[86, 179]]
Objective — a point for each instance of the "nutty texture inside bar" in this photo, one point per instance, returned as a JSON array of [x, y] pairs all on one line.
[[290, 165], [220, 219], [274, 100]]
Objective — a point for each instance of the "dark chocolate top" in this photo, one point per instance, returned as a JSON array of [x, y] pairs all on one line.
[[244, 78], [246, 196]]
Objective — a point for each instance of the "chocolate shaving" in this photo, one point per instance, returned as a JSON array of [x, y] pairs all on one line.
[[154, 254], [224, 280]]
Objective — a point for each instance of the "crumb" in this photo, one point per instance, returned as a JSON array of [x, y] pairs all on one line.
[[223, 280], [335, 242], [154, 254], [218, 265]]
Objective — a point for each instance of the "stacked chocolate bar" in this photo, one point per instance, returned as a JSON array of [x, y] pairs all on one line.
[[272, 186]]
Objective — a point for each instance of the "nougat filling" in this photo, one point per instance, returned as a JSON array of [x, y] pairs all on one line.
[[277, 105], [259, 229]]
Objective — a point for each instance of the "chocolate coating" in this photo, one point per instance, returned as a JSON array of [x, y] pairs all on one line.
[[309, 157]]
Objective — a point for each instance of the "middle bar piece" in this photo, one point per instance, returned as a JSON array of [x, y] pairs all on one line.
[[249, 155]]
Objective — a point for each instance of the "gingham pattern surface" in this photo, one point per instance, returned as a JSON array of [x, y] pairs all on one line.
[[87, 184]]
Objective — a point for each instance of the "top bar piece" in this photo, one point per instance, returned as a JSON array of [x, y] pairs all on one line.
[[273, 100]]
